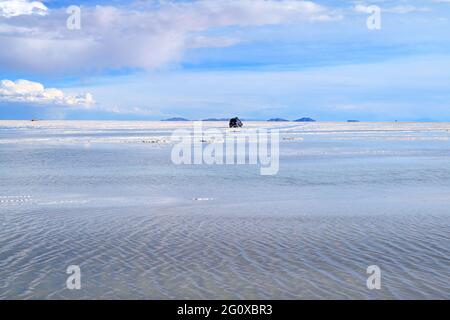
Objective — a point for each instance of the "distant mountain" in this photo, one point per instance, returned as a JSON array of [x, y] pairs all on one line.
[[176, 119], [216, 119], [352, 120], [305, 120], [277, 120]]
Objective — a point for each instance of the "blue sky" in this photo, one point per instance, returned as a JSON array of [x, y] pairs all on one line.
[[255, 59]]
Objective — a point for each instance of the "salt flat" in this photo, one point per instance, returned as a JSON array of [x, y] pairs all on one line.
[[347, 195]]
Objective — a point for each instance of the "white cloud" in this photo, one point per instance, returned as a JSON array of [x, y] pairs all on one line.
[[403, 9], [25, 91], [13, 8], [361, 8], [141, 36], [400, 9]]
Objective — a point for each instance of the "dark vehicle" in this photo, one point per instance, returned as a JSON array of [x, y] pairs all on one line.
[[235, 123]]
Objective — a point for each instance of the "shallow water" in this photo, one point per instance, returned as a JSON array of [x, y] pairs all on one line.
[[106, 196]]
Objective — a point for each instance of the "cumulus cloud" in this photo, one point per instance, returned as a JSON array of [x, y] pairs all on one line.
[[140, 35], [25, 91], [13, 8]]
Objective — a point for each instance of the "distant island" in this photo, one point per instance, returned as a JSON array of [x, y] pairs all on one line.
[[176, 119], [277, 120], [352, 120], [216, 119], [305, 120], [227, 119]]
